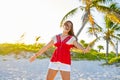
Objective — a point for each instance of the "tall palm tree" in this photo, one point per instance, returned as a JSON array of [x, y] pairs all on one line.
[[100, 47], [110, 33], [112, 14]]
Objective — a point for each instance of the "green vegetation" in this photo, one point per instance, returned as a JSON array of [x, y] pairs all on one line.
[[8, 48], [92, 55], [109, 32], [18, 49], [114, 60], [22, 50]]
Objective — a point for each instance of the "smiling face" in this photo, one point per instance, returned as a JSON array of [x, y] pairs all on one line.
[[67, 27]]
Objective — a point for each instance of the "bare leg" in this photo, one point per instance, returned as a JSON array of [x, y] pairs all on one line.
[[51, 74], [65, 75]]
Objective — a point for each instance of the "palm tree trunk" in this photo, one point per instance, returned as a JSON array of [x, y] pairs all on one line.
[[85, 19], [81, 28], [99, 50], [117, 49], [107, 47]]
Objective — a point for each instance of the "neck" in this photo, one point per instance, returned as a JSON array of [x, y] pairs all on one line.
[[65, 33]]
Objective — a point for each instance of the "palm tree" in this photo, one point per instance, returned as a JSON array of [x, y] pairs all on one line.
[[110, 33], [100, 47], [112, 14], [91, 44]]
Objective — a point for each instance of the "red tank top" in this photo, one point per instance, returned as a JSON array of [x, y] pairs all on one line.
[[62, 51]]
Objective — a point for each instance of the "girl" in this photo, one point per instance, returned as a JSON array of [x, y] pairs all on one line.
[[61, 60]]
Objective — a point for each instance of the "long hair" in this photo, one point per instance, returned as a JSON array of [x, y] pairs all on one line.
[[71, 32]]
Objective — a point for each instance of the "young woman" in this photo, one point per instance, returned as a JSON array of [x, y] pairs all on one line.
[[61, 60]]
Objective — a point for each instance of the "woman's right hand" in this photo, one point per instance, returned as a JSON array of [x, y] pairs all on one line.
[[32, 58]]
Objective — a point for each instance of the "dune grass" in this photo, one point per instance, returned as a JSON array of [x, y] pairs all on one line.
[[17, 48], [8, 48]]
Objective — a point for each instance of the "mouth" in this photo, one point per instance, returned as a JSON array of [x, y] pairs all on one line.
[[67, 28]]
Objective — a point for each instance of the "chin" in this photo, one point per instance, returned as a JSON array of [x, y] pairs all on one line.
[[66, 31]]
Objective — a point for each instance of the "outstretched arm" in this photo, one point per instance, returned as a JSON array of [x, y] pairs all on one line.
[[79, 46], [45, 48]]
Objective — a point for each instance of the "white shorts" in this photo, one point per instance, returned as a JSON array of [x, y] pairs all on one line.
[[59, 66]]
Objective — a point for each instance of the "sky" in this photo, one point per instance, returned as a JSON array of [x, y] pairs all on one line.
[[32, 17], [37, 18]]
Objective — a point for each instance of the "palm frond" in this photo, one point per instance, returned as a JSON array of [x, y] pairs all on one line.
[[115, 12], [116, 27], [37, 38], [72, 12], [115, 7], [99, 27], [116, 36], [113, 18], [83, 1], [91, 44], [91, 19], [96, 29], [103, 9], [112, 44], [86, 2], [108, 22], [101, 1], [111, 13]]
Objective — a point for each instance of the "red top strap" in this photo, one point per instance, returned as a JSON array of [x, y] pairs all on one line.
[[65, 40]]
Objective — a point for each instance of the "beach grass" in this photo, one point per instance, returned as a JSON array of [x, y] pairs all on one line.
[[19, 48]]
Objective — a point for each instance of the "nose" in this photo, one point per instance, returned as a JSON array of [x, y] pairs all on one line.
[[67, 27]]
